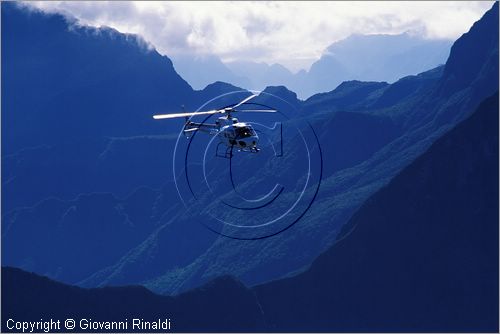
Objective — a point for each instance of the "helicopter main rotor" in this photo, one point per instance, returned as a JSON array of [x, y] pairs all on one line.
[[227, 110]]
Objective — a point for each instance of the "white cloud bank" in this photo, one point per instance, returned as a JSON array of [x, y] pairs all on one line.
[[291, 33]]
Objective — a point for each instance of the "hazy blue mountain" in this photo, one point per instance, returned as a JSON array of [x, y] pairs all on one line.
[[200, 71], [283, 93], [388, 57], [369, 132], [420, 255], [261, 75], [358, 57], [373, 58]]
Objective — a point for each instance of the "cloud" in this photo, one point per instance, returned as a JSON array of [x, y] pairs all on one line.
[[291, 33]]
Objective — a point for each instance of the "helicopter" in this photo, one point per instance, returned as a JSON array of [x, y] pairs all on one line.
[[231, 132]]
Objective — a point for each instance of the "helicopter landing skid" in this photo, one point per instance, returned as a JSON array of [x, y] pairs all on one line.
[[227, 151], [250, 149]]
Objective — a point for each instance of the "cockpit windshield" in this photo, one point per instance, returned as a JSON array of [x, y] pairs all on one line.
[[244, 132]]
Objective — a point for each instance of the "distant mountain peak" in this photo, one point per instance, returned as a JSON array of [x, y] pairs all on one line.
[[221, 86], [350, 84], [280, 91]]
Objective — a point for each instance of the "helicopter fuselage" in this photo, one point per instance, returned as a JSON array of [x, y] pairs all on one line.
[[230, 131]]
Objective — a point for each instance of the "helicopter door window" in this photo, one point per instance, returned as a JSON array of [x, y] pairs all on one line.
[[244, 132]]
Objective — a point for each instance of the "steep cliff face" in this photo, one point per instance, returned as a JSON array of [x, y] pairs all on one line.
[[64, 81], [420, 255], [473, 55]]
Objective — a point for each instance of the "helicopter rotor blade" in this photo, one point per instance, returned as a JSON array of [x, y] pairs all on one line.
[[245, 100], [227, 109], [257, 110], [188, 114]]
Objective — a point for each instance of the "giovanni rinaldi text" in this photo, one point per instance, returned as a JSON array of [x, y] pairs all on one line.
[[48, 326]]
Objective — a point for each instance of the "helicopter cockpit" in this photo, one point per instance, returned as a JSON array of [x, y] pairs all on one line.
[[244, 132]]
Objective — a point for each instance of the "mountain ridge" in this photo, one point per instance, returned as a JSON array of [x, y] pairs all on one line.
[[377, 57]]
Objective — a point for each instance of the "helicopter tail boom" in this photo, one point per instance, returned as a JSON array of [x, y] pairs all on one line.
[[192, 126]]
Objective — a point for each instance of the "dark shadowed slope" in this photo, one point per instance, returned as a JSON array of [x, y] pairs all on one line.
[[420, 255], [209, 308]]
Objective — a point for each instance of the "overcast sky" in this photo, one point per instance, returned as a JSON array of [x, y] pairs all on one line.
[[293, 34]]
